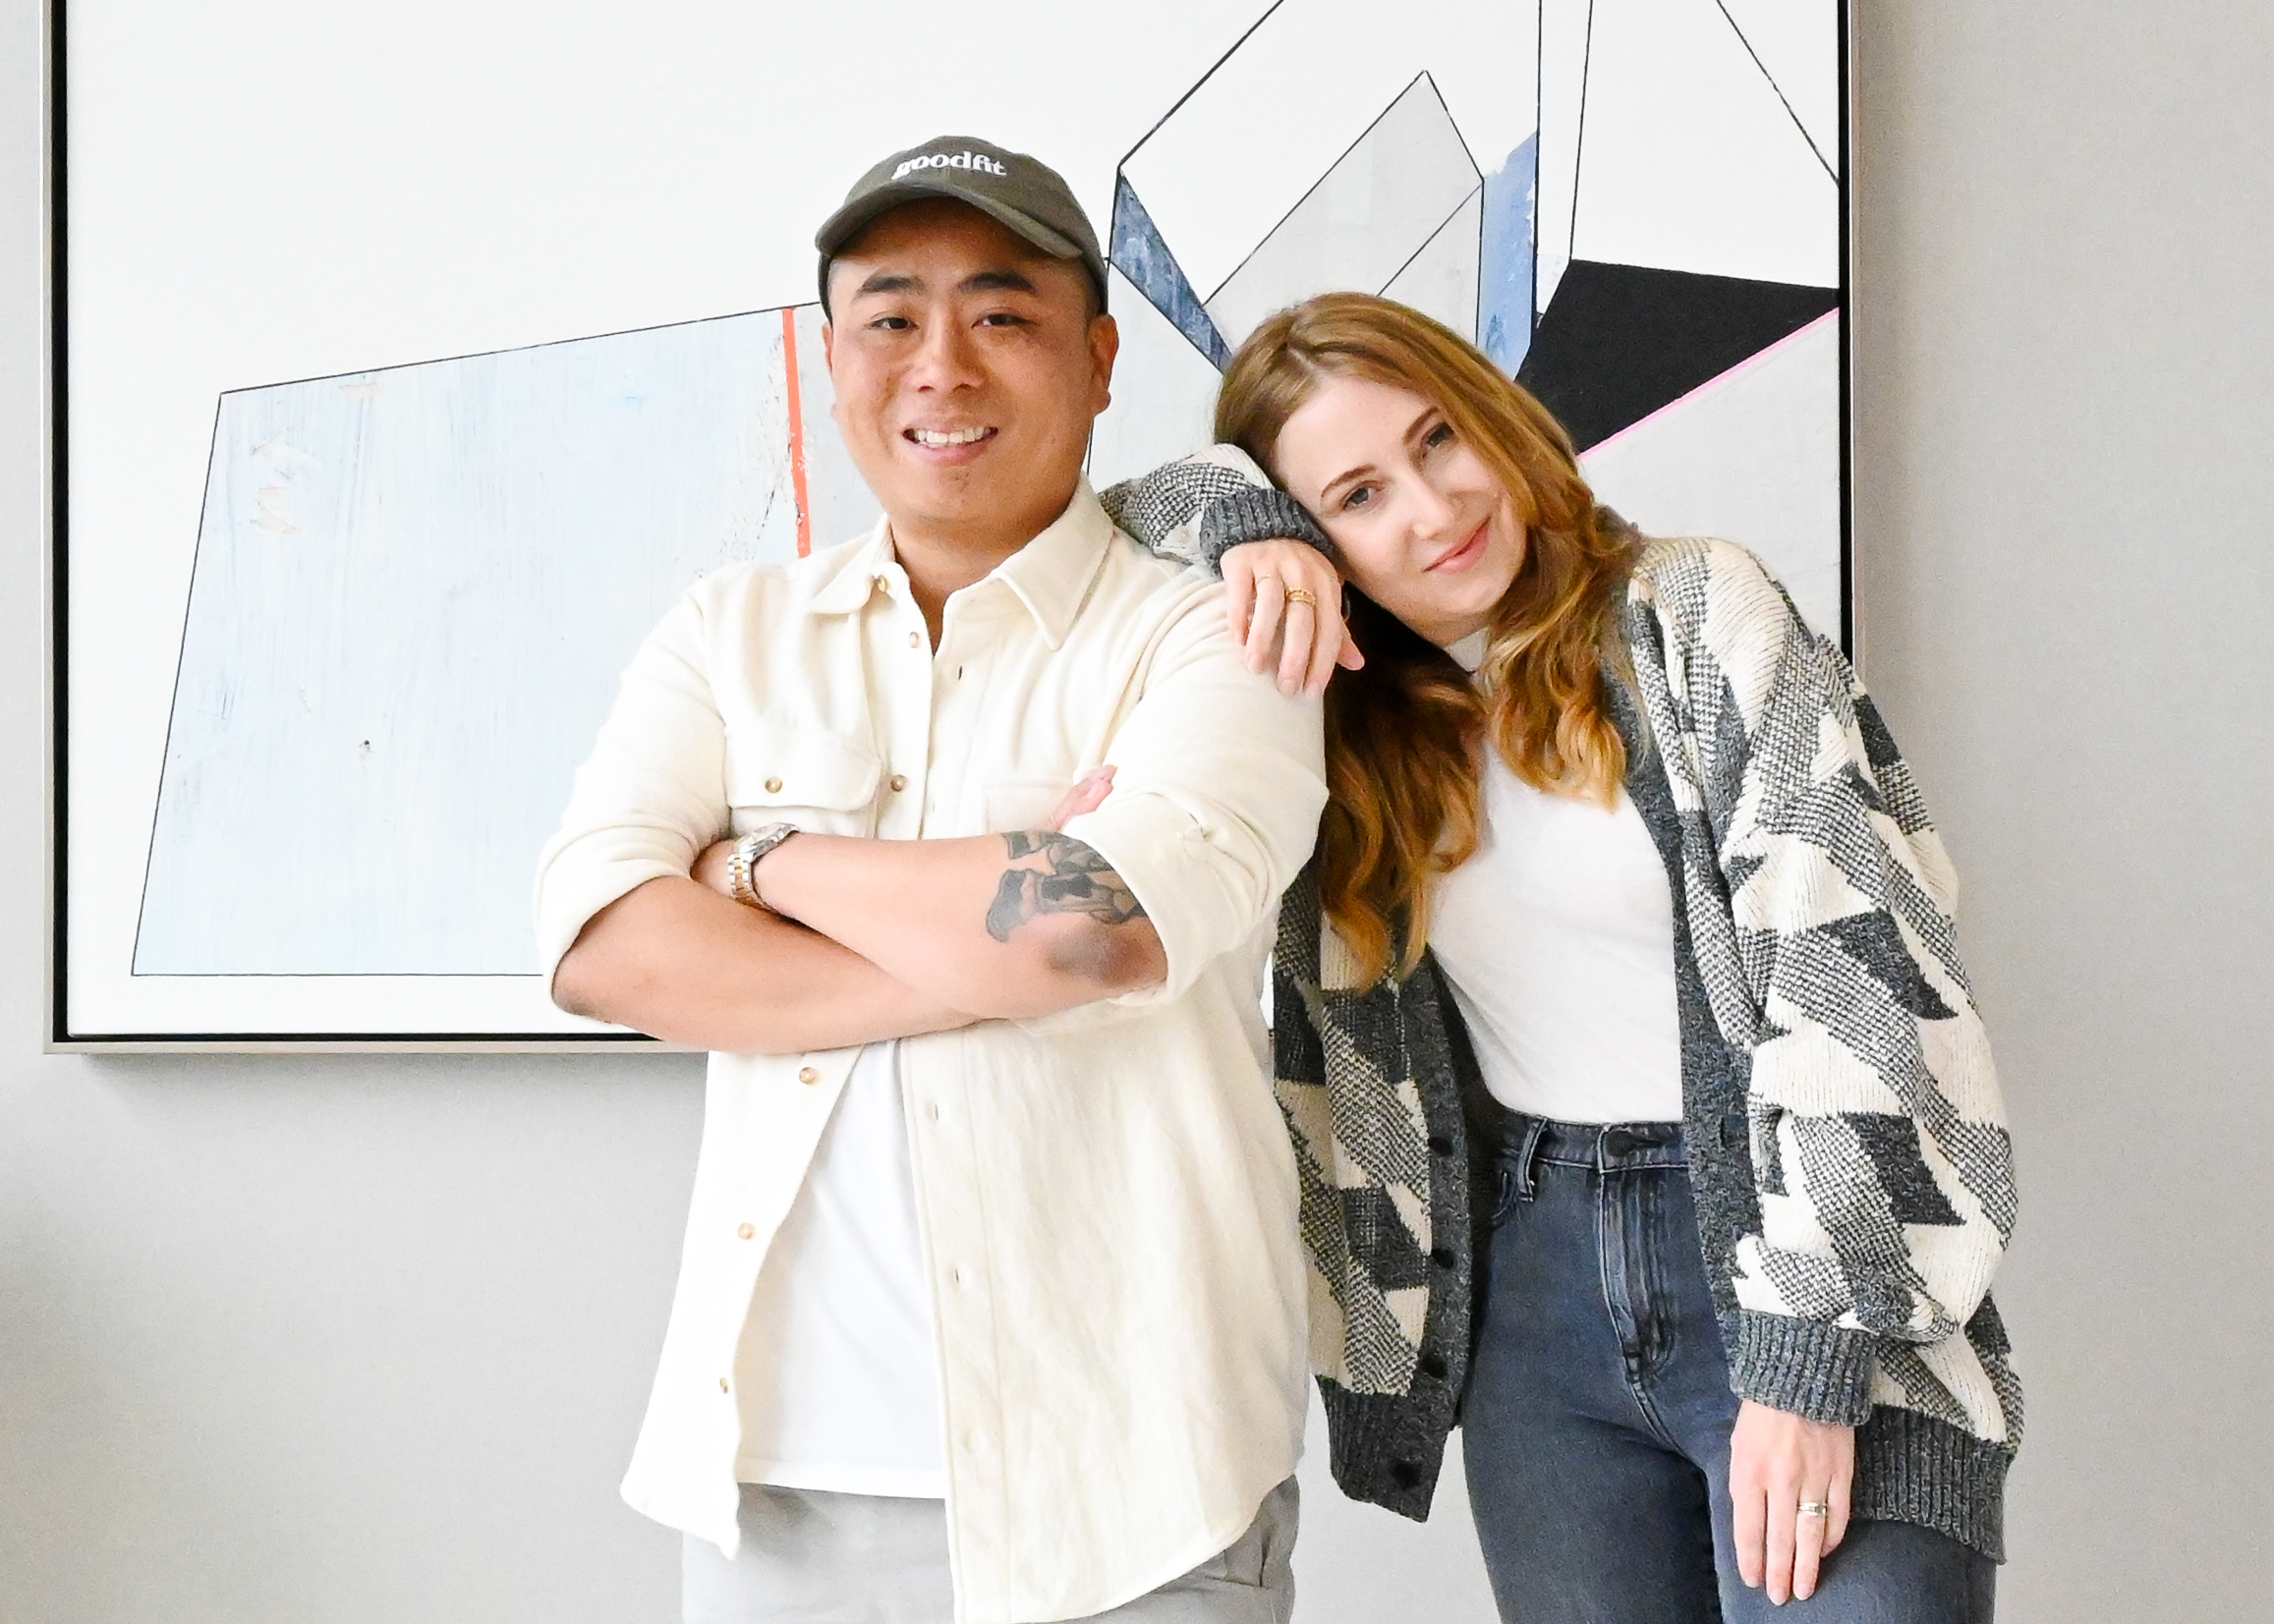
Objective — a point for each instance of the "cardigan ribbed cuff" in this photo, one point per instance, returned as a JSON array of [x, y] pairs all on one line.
[[1258, 514], [1803, 1366]]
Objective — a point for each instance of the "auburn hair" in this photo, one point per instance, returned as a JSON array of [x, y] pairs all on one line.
[[1406, 734]]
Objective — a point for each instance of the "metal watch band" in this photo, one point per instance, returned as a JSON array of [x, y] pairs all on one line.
[[742, 861]]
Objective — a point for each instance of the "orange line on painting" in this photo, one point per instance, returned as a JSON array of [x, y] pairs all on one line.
[[797, 430]]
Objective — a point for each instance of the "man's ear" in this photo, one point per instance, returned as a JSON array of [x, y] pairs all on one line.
[[1105, 345], [829, 365]]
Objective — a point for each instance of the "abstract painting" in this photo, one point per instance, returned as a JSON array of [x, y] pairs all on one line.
[[405, 590]]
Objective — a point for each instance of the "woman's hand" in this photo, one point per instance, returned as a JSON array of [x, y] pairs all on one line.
[[1306, 639], [1780, 1462]]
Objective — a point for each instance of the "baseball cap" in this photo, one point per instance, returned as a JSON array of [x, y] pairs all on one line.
[[1024, 195]]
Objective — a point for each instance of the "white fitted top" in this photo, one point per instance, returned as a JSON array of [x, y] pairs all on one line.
[[1557, 940]]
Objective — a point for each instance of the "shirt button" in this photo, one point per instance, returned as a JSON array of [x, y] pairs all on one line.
[[774, 786], [915, 640], [955, 1274], [883, 584], [747, 1231], [723, 1384], [806, 1074], [899, 782], [932, 1111]]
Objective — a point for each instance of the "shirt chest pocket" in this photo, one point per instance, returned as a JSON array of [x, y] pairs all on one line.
[[818, 780]]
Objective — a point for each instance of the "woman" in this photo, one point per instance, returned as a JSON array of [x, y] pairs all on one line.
[[1723, 1307]]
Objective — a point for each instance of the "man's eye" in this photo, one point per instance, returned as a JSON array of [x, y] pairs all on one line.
[[891, 323], [1002, 318]]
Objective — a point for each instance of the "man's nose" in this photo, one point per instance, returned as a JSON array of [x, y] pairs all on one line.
[[946, 358]]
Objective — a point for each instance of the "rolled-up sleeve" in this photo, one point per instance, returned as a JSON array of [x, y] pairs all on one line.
[[1218, 786], [650, 797]]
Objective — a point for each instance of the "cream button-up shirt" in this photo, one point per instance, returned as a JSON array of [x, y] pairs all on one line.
[[1107, 1196]]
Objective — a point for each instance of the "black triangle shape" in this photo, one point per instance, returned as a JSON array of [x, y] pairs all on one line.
[[1618, 342]]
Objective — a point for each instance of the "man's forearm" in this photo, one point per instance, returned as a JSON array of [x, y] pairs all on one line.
[[1012, 925], [681, 963]]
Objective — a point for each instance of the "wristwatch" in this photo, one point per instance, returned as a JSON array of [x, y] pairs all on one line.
[[742, 861]]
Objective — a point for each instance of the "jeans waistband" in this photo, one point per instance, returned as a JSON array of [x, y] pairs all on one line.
[[1531, 1142]]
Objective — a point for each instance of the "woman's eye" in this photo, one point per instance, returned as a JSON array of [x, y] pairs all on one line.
[[1441, 436], [1358, 497]]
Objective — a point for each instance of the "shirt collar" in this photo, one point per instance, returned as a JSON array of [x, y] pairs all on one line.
[[1051, 575]]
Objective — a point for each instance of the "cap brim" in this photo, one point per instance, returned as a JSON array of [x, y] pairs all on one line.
[[849, 221]]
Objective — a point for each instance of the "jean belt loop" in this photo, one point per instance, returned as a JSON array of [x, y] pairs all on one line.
[[1527, 1154]]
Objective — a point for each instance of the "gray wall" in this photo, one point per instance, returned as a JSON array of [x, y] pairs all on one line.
[[296, 1343]]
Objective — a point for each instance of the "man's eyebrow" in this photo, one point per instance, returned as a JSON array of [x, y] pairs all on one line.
[[890, 282], [997, 281]]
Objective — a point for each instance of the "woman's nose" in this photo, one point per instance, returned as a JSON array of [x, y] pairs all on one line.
[[1428, 514]]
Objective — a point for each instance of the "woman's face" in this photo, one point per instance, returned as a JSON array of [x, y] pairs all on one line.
[[1424, 529]]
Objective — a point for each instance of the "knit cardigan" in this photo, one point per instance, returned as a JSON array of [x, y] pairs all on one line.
[[1844, 1135]]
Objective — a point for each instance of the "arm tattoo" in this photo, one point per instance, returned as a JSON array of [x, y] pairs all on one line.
[[1073, 879]]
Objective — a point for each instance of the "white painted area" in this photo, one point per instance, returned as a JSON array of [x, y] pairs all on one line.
[[1164, 392], [1565, 30], [1797, 43], [1752, 457], [1380, 203], [1442, 279], [413, 590], [1236, 157], [1689, 161]]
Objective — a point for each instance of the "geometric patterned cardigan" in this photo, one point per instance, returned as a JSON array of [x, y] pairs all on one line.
[[1847, 1141]]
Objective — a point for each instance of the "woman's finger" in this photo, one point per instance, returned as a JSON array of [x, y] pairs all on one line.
[[1295, 643], [1777, 1567], [1263, 627], [1239, 593], [1840, 1496], [1748, 1531], [1327, 640], [1809, 1531]]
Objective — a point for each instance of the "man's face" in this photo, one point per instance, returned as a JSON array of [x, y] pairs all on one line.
[[968, 371]]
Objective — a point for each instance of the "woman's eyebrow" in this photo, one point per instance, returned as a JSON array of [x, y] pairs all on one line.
[[1422, 424], [1362, 471]]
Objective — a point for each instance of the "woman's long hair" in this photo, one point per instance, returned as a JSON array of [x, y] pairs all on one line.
[[1405, 734]]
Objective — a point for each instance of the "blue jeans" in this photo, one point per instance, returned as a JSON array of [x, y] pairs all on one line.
[[1596, 1426]]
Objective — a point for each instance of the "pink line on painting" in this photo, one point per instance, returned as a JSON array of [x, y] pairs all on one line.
[[1715, 383]]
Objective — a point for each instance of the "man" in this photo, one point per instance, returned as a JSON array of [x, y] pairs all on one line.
[[990, 1296]]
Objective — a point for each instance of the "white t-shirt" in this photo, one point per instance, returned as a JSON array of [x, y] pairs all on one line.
[[1558, 940], [839, 1372]]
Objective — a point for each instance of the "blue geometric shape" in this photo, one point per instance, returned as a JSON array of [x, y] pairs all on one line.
[[1505, 280], [1144, 258]]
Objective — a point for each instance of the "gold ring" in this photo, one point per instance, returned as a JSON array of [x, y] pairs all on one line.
[[1296, 594]]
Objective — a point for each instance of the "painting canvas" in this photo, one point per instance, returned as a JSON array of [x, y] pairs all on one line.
[[387, 442]]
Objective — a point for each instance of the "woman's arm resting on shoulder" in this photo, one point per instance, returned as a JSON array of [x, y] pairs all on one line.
[[1304, 634]]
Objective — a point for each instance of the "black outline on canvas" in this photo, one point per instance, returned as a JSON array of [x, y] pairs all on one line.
[[1846, 349], [1388, 108], [1474, 194], [1721, 7], [1194, 88]]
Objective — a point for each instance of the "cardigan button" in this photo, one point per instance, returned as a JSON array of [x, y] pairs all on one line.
[[1443, 1257], [1432, 1366], [1438, 1144], [774, 786], [1404, 1474], [747, 1231]]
